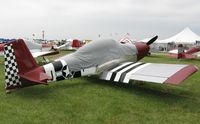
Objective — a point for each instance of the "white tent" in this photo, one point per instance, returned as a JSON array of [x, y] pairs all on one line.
[[184, 37]]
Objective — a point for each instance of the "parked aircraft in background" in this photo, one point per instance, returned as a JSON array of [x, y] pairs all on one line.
[[36, 49], [111, 60], [181, 53], [70, 45], [4, 40]]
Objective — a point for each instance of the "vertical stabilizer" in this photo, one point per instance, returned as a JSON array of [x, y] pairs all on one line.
[[11, 69], [18, 61]]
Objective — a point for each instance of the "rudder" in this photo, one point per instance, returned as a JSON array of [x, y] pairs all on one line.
[[18, 61], [11, 69]]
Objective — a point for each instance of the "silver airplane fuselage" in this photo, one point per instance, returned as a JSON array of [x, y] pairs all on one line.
[[94, 58]]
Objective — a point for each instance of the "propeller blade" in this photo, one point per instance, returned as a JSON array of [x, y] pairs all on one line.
[[152, 40]]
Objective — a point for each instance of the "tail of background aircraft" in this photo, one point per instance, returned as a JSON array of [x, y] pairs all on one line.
[[20, 66], [76, 43]]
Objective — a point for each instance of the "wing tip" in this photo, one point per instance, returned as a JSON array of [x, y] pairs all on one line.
[[181, 75]]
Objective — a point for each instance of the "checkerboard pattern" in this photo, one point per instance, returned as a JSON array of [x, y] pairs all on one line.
[[11, 70]]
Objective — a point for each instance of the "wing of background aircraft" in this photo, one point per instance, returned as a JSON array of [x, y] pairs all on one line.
[[174, 54], [191, 53], [36, 50], [43, 53], [70, 45], [64, 46], [174, 51]]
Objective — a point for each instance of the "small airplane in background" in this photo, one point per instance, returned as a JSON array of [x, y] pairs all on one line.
[[111, 60], [181, 53], [36, 49], [69, 45]]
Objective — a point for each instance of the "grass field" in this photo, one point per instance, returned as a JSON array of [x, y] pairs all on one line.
[[90, 101]]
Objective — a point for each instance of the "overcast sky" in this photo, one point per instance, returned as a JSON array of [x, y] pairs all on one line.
[[86, 19]]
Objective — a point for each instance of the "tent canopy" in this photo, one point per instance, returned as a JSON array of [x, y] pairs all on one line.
[[184, 37]]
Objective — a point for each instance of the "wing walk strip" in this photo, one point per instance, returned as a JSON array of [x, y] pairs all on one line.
[[126, 77], [125, 70], [135, 68], [121, 73], [118, 70], [109, 74]]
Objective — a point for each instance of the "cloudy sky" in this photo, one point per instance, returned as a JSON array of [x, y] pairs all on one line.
[[86, 19]]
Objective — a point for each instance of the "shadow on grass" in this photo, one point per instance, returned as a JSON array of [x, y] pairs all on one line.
[[154, 56], [172, 96], [134, 87], [147, 88], [45, 91]]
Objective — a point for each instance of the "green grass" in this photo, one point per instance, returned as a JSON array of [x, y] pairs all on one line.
[[90, 101]]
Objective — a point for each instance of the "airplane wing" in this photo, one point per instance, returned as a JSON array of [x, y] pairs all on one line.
[[185, 55], [43, 53], [175, 51], [151, 72], [65, 46]]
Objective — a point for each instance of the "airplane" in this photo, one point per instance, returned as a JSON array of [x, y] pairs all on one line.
[[111, 60], [181, 53], [36, 49], [69, 45]]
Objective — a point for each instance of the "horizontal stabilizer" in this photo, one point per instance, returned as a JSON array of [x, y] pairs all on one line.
[[37, 76]]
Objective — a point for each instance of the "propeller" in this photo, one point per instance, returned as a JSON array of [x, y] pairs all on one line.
[[152, 40]]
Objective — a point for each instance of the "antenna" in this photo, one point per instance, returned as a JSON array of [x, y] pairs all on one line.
[[42, 34]]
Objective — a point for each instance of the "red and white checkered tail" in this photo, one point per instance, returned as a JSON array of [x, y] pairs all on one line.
[[18, 63]]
